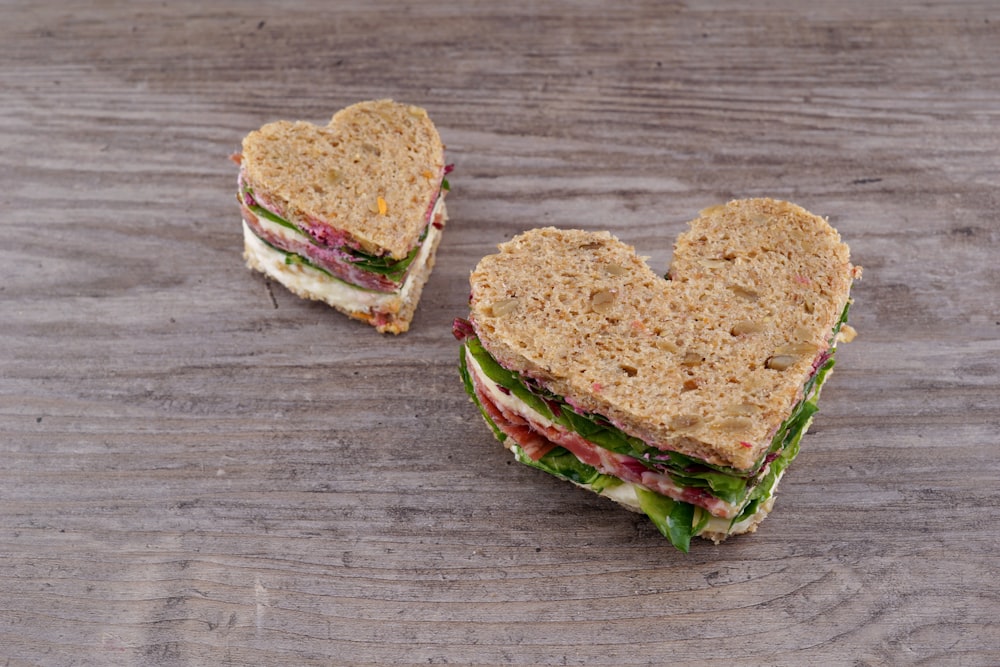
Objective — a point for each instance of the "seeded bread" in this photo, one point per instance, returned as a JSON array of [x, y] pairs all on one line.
[[372, 173], [707, 363]]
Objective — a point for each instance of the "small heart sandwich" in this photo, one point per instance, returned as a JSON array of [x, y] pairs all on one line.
[[349, 213], [684, 398]]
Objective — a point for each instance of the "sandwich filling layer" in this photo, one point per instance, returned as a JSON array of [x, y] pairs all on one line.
[[299, 274], [683, 496], [331, 251]]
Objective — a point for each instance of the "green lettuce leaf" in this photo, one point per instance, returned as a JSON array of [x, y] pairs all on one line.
[[564, 464], [262, 212], [394, 269], [677, 521], [463, 369], [506, 379], [791, 432]]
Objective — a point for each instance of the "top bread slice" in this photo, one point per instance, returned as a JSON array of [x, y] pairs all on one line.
[[372, 172], [707, 363]]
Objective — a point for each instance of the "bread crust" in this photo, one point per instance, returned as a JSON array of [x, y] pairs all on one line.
[[708, 363], [371, 173]]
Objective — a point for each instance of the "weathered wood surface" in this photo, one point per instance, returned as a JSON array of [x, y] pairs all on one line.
[[200, 469]]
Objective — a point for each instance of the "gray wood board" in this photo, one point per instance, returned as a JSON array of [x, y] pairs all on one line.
[[200, 468]]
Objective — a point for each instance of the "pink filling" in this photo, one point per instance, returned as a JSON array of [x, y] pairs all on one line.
[[329, 259]]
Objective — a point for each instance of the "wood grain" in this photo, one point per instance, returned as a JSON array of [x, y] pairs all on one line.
[[198, 468]]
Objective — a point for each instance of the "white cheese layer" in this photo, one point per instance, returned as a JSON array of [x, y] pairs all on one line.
[[316, 284], [286, 234]]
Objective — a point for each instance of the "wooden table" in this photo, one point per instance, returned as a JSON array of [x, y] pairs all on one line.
[[199, 468]]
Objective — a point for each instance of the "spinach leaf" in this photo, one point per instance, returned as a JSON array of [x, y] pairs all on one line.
[[677, 521], [463, 369], [394, 269], [563, 463], [262, 212], [727, 487], [507, 379]]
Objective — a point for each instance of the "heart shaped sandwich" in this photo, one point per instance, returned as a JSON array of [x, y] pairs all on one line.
[[349, 213], [683, 398]]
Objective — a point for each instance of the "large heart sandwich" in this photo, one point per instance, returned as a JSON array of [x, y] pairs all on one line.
[[349, 213], [684, 398]]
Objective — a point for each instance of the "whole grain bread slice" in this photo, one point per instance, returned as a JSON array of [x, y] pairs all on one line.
[[707, 363], [372, 173]]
